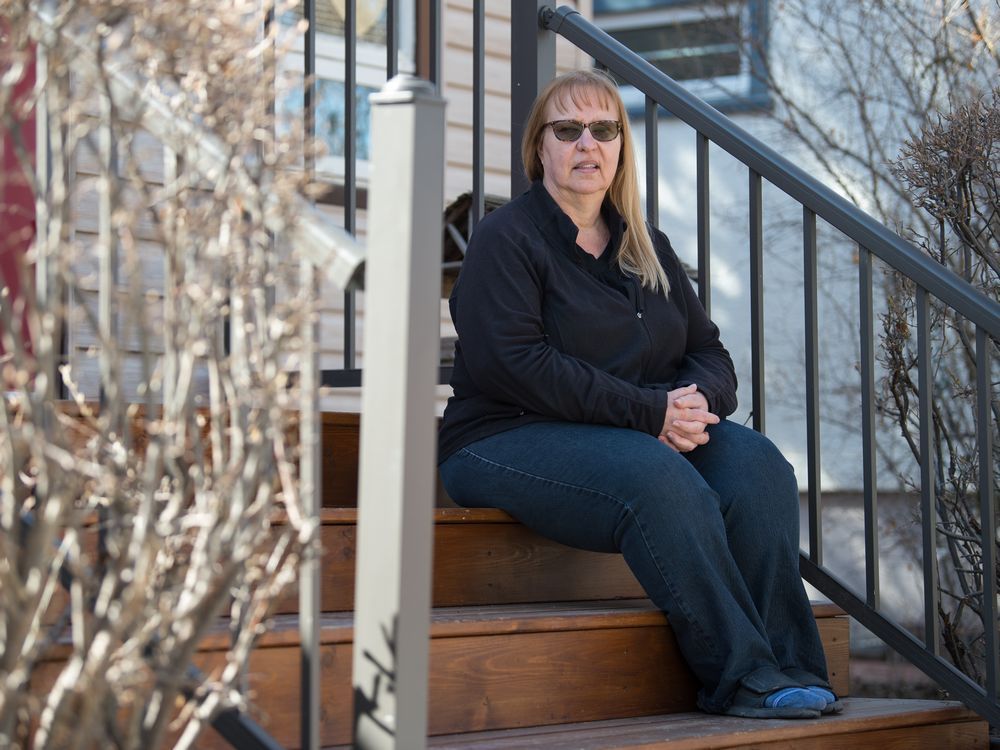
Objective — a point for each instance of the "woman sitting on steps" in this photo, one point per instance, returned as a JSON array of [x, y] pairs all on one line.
[[590, 396]]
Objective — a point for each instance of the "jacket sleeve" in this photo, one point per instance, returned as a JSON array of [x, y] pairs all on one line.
[[706, 361], [497, 311]]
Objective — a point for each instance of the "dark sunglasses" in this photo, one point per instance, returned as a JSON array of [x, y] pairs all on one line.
[[571, 130]]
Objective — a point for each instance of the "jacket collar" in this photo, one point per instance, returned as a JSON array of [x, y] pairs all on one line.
[[560, 230]]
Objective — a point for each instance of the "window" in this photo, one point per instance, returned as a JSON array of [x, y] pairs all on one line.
[[369, 77], [714, 48]]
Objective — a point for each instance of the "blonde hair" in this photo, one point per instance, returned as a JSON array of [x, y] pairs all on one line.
[[636, 254]]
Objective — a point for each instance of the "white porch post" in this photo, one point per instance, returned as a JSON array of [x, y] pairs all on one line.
[[397, 463]]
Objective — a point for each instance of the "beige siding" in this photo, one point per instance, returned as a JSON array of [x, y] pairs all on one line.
[[457, 89]]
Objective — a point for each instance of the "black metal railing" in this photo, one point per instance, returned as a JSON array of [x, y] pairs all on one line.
[[873, 239], [428, 66]]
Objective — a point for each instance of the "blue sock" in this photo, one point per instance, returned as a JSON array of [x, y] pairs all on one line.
[[795, 697], [823, 693]]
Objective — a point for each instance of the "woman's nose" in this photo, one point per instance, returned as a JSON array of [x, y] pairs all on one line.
[[586, 141]]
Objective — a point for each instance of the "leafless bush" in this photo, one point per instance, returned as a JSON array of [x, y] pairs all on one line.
[[952, 171], [157, 516]]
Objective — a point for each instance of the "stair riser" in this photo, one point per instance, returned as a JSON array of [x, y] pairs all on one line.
[[510, 680], [485, 563]]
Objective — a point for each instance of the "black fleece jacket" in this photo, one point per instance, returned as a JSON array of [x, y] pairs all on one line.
[[548, 332]]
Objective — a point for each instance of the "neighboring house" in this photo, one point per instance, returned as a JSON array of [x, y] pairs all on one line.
[[17, 203]]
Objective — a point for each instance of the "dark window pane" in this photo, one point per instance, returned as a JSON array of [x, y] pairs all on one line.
[[700, 66], [681, 35], [686, 50]]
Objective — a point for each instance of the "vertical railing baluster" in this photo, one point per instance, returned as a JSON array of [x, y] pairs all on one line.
[[391, 39], [309, 89], [652, 163], [987, 509], [396, 467], [928, 472], [868, 466], [813, 464], [434, 42], [309, 459], [532, 65], [757, 299], [704, 224], [350, 167], [478, 109]]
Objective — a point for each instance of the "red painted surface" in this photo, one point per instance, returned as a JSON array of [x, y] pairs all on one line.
[[17, 203]]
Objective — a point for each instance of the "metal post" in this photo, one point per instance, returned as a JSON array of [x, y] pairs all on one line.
[[652, 163], [532, 65], [396, 475], [811, 314], [869, 467], [757, 300], [928, 471], [704, 225], [478, 111], [988, 512], [350, 166]]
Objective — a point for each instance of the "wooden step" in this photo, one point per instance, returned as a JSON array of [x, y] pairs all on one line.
[[481, 556], [865, 724], [340, 451], [503, 667], [340, 448]]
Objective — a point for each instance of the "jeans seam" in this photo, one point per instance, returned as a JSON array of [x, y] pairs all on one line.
[[708, 642]]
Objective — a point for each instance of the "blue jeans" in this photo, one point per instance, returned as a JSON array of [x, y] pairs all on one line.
[[711, 535]]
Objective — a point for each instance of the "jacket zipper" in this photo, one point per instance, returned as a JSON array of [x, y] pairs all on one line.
[[640, 314]]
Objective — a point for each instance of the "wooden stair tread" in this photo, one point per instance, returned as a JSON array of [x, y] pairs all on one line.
[[492, 619], [883, 720], [349, 516]]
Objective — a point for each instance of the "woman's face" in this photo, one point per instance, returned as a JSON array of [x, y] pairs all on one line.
[[585, 166]]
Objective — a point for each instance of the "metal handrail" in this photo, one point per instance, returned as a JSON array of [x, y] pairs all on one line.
[[874, 239]]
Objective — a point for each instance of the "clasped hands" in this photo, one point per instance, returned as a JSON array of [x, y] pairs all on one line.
[[686, 419]]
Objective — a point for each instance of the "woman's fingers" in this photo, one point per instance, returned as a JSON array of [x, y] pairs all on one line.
[[697, 415], [689, 426], [685, 443], [691, 401]]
